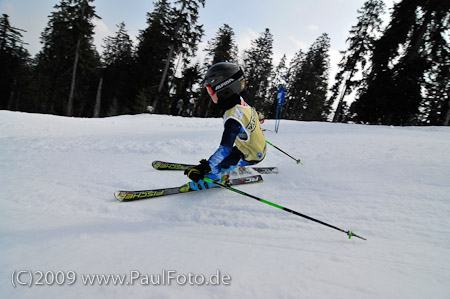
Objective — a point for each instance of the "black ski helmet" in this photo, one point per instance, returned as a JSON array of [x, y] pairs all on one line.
[[226, 79]]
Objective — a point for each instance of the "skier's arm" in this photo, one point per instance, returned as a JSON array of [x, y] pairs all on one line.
[[232, 129]]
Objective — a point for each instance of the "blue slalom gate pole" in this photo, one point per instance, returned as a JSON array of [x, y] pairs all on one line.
[[280, 101]]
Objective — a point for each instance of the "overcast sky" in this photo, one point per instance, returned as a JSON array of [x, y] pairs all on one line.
[[295, 24]]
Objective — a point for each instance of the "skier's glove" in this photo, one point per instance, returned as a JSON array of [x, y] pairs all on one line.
[[198, 172], [261, 117]]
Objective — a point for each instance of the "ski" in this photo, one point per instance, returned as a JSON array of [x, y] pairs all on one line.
[[160, 165], [145, 194]]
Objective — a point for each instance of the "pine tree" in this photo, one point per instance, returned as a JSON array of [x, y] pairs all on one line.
[[361, 40], [118, 73], [170, 32], [401, 61], [295, 67], [152, 49], [279, 76], [222, 48], [307, 100], [185, 90], [68, 63], [186, 32], [258, 67], [15, 68], [436, 104]]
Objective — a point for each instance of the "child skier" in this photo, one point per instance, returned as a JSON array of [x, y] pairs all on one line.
[[224, 82]]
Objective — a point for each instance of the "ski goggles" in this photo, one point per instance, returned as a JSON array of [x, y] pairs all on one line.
[[209, 90]]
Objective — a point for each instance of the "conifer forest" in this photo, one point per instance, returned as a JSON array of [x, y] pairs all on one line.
[[398, 74]]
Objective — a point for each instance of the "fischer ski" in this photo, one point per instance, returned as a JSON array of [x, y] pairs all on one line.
[[145, 194], [160, 165]]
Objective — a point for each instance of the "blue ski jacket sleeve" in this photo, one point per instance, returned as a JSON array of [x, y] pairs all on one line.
[[232, 129]]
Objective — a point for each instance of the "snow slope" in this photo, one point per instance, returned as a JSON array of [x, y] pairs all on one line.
[[388, 184]]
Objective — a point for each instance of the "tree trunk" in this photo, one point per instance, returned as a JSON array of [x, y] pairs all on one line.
[[169, 57], [72, 85], [98, 99], [338, 112], [166, 68], [163, 78], [207, 109], [11, 96], [447, 115], [74, 71], [113, 108]]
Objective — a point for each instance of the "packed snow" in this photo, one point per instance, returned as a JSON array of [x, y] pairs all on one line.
[[59, 217]]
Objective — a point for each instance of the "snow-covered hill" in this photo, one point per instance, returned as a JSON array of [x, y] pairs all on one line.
[[388, 184]]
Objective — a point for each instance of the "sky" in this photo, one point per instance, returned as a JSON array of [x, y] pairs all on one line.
[[295, 24]]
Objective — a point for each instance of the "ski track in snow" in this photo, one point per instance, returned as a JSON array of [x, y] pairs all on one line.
[[388, 184]]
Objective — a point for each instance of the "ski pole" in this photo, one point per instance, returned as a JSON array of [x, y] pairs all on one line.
[[349, 233], [297, 160]]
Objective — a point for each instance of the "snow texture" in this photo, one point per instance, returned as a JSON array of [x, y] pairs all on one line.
[[388, 184]]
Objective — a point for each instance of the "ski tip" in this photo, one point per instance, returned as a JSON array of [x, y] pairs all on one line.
[[161, 165], [155, 164], [117, 196]]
